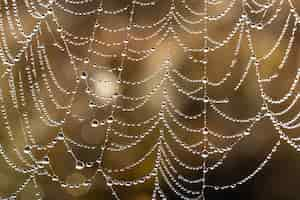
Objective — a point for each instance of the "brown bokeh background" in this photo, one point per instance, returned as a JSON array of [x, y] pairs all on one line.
[[277, 181]]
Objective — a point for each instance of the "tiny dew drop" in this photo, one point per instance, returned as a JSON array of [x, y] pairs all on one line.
[[27, 149], [205, 131], [247, 132], [259, 26], [94, 123], [92, 104], [110, 119], [59, 29], [204, 154], [55, 178], [86, 60], [45, 160], [84, 75], [60, 136], [206, 99], [88, 90], [109, 183], [79, 165]]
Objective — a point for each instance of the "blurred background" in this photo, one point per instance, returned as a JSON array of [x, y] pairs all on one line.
[[63, 33]]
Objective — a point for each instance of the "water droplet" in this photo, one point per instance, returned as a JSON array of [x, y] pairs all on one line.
[[247, 132], [88, 90], [205, 99], [79, 165], [55, 178], [110, 119], [60, 136], [59, 29], [205, 131], [259, 26], [86, 60], [204, 154], [45, 160], [84, 75], [123, 54], [92, 104], [50, 10], [109, 183], [27, 149], [94, 123], [116, 95], [206, 50], [97, 25], [89, 164]]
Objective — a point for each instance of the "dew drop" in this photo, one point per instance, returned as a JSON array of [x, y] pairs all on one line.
[[110, 119], [79, 165], [204, 154], [84, 75], [94, 123], [27, 149]]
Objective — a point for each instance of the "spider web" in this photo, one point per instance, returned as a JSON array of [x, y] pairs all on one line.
[[145, 94]]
